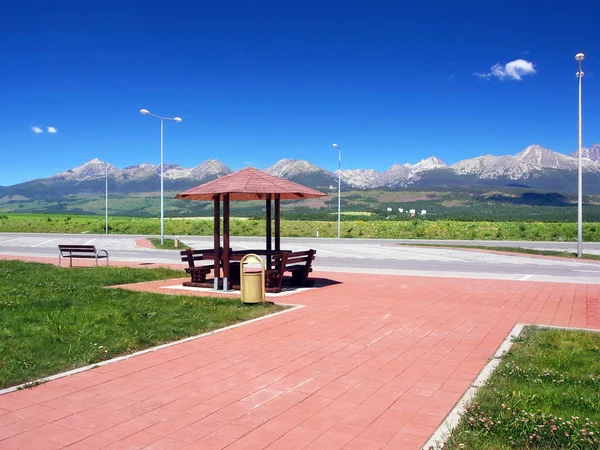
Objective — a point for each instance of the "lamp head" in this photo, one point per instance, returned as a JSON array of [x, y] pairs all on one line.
[[579, 56], [177, 119], [144, 111], [335, 146]]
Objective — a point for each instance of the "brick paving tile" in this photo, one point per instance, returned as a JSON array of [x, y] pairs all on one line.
[[376, 361], [241, 444], [140, 439], [90, 443], [166, 444], [360, 443]]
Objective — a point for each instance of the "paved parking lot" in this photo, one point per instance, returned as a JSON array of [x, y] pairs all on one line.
[[347, 255]]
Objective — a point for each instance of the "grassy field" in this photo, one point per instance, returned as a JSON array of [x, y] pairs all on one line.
[[54, 319], [544, 395], [391, 229]]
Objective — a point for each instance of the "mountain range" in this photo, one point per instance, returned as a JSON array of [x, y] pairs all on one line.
[[535, 167]]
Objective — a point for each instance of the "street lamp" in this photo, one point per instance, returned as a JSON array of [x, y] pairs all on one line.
[[162, 204], [106, 197], [579, 57], [339, 189]]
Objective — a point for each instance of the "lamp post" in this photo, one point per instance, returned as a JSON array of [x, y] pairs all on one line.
[[579, 57], [339, 189], [106, 197], [162, 204]]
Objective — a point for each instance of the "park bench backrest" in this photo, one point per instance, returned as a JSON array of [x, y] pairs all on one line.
[[77, 248], [299, 257], [286, 259]]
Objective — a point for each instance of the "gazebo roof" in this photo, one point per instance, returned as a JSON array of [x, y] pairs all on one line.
[[249, 184]]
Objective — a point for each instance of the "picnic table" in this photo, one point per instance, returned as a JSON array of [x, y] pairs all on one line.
[[277, 263]]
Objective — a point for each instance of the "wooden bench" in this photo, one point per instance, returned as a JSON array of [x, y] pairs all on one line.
[[200, 272], [80, 251], [298, 263]]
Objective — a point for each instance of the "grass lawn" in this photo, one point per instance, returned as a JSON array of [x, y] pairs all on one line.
[[544, 395], [169, 244], [54, 319]]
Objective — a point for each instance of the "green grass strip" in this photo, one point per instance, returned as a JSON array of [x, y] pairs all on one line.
[[55, 319], [169, 244], [544, 395]]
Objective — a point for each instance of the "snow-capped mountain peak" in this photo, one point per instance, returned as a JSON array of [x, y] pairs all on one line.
[[287, 168], [431, 163], [592, 153], [542, 157], [91, 169], [532, 162], [361, 178], [210, 167]]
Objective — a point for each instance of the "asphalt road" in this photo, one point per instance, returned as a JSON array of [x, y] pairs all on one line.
[[350, 255]]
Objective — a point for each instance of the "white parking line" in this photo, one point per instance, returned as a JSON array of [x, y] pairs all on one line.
[[422, 255], [45, 242], [90, 241], [14, 239], [526, 277]]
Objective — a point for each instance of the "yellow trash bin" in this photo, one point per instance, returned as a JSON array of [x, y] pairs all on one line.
[[252, 281]]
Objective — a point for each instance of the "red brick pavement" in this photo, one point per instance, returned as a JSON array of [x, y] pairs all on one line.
[[374, 362]]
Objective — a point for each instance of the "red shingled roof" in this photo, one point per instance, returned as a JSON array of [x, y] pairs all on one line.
[[250, 184]]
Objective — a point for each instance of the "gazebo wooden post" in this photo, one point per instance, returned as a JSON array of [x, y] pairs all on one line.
[[217, 241], [226, 277], [277, 222], [269, 234]]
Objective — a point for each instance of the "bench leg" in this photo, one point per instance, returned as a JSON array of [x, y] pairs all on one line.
[[70, 261], [59, 259]]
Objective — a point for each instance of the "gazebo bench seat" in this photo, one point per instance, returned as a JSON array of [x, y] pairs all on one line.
[[199, 272], [299, 264]]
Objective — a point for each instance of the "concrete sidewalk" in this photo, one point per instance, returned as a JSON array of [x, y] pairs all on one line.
[[374, 362]]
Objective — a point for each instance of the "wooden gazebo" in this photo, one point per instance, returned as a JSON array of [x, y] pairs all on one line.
[[246, 184]]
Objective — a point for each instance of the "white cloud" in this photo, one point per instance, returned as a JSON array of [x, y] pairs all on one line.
[[514, 70], [36, 130], [51, 130]]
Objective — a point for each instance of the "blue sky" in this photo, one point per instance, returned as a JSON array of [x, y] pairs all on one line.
[[390, 81]]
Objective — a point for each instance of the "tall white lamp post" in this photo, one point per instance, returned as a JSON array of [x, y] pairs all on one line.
[[106, 197], [579, 57], [339, 189], [162, 204]]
